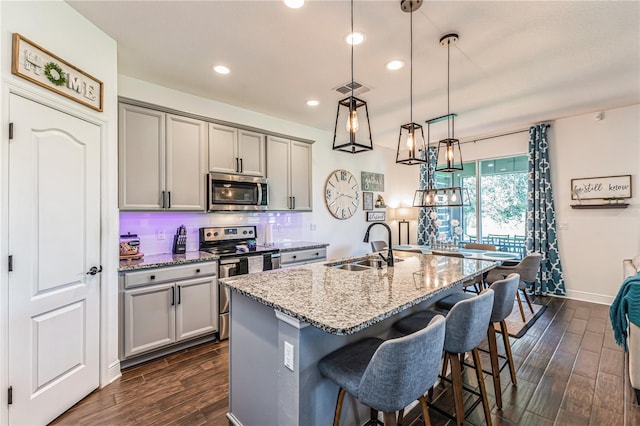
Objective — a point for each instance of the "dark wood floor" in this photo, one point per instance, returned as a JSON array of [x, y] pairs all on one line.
[[569, 369]]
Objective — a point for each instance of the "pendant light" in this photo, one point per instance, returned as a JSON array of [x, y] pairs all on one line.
[[350, 135], [449, 155], [411, 145]]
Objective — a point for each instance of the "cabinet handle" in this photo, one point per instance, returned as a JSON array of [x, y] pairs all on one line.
[[290, 202], [294, 203], [197, 271], [169, 206], [163, 199], [179, 292], [173, 296], [152, 277], [317, 254], [237, 165], [295, 257], [241, 166]]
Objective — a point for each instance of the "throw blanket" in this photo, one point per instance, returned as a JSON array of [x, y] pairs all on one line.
[[626, 303]]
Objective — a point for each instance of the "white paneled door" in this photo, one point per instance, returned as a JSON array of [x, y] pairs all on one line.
[[54, 241]]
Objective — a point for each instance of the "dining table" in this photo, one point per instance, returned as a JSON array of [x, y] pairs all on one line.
[[475, 254]]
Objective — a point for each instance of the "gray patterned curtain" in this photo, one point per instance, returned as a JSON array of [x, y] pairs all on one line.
[[426, 227], [541, 214]]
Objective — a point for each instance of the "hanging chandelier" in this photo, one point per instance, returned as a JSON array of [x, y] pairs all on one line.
[[349, 135], [449, 154], [411, 145]]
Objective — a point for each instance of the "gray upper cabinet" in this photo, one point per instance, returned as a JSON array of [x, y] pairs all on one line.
[[162, 160], [289, 174], [236, 151]]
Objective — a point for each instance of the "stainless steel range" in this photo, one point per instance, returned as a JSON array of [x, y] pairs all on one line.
[[239, 255]]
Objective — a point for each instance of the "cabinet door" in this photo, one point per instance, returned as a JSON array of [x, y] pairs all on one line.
[[196, 307], [251, 147], [149, 318], [223, 145], [186, 163], [141, 158], [278, 173], [301, 175]]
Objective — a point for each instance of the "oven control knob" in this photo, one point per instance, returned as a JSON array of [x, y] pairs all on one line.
[[208, 234], [215, 234], [250, 232], [244, 232]]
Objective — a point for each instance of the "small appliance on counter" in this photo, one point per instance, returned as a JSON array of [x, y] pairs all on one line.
[[180, 240], [130, 247]]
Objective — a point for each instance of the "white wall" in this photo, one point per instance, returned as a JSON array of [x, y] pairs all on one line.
[[60, 29], [596, 241], [345, 236]]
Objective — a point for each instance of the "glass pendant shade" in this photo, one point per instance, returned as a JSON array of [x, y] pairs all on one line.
[[449, 155], [352, 132], [441, 197], [411, 145]]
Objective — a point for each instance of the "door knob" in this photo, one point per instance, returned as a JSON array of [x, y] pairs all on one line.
[[94, 270]]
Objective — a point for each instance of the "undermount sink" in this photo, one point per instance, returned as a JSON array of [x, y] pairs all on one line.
[[352, 267]]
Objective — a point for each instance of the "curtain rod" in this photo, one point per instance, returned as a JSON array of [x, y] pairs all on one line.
[[499, 135]]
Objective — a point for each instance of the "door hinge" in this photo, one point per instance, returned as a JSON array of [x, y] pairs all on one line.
[[10, 263], [10, 131], [10, 396]]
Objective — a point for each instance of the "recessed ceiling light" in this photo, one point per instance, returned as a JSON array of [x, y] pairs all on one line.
[[354, 38], [221, 69], [294, 4], [313, 102], [396, 64]]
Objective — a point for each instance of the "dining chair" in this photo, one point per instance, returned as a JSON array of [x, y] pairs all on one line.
[[378, 245], [477, 283], [528, 269], [388, 375]]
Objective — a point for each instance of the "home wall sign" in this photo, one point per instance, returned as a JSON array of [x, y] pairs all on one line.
[[605, 187], [47, 70], [376, 216], [372, 181]]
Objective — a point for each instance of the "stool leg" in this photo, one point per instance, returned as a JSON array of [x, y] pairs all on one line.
[[456, 378], [425, 411], [390, 419], [483, 390], [400, 416], [507, 348], [526, 297], [373, 416], [495, 365], [336, 416], [520, 306]]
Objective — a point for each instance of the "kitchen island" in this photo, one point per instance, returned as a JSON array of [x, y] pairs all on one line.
[[284, 321]]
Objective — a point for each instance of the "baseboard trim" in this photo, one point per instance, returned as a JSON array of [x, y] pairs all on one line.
[[589, 297], [113, 372]]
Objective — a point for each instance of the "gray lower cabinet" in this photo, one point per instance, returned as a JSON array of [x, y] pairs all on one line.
[[160, 309], [302, 257]]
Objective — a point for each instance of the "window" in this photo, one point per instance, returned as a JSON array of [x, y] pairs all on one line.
[[496, 213]]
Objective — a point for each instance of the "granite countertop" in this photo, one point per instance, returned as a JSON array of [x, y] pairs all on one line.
[[166, 259], [297, 245], [344, 302]]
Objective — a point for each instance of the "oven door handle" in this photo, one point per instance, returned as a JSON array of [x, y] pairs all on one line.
[[259, 194]]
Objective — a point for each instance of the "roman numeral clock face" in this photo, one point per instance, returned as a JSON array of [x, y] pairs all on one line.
[[342, 194]]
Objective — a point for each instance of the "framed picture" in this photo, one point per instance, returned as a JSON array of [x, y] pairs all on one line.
[[372, 181], [376, 216], [605, 187], [367, 201]]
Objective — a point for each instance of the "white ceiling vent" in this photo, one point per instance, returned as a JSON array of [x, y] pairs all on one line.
[[358, 88]]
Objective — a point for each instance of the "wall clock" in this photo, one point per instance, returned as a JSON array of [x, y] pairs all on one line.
[[342, 194]]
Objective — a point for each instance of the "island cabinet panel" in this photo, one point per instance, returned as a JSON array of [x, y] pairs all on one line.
[[289, 173], [162, 160], [161, 307], [236, 151]]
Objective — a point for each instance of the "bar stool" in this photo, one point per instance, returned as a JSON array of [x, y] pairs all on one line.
[[504, 293], [387, 375], [466, 324], [528, 269]]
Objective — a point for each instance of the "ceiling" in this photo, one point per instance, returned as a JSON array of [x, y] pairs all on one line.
[[516, 63]]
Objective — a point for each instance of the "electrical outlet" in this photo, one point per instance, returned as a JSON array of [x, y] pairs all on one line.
[[312, 227], [288, 355], [161, 235], [563, 226]]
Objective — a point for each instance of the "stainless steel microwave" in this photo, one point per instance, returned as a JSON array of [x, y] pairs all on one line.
[[234, 192]]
